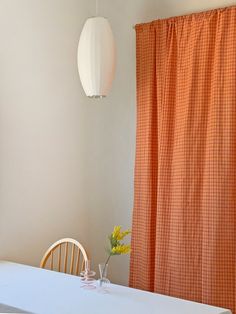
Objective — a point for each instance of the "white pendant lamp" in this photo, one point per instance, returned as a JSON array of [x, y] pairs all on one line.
[[96, 57]]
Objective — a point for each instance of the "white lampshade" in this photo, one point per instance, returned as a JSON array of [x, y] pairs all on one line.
[[96, 57]]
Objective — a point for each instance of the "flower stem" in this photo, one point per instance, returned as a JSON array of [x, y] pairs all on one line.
[[107, 260], [103, 271]]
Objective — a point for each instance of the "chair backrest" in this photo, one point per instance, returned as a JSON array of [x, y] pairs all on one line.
[[66, 255]]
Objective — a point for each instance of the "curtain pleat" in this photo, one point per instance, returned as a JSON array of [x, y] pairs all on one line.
[[184, 218]]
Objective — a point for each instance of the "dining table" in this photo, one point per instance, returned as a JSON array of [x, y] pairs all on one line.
[[27, 289]]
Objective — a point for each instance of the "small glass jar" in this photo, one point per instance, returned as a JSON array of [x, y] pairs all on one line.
[[103, 281]]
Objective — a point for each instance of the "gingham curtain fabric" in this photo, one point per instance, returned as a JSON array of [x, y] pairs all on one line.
[[184, 220]]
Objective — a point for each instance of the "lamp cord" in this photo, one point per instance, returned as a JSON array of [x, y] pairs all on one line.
[[96, 7]]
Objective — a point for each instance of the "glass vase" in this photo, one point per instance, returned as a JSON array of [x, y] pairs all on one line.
[[103, 281]]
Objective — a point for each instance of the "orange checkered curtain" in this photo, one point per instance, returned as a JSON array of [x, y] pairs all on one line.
[[184, 219]]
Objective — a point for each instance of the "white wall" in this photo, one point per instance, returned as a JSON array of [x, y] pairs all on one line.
[[42, 127], [66, 162]]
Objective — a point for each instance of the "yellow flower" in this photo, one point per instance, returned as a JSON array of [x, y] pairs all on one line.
[[123, 234], [118, 235], [116, 232], [121, 249]]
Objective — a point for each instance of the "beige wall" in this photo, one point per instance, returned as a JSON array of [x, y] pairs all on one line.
[[42, 127], [66, 162]]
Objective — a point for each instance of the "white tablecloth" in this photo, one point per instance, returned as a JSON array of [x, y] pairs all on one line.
[[45, 292]]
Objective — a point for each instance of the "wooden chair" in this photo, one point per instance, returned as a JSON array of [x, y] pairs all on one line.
[[63, 253]]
